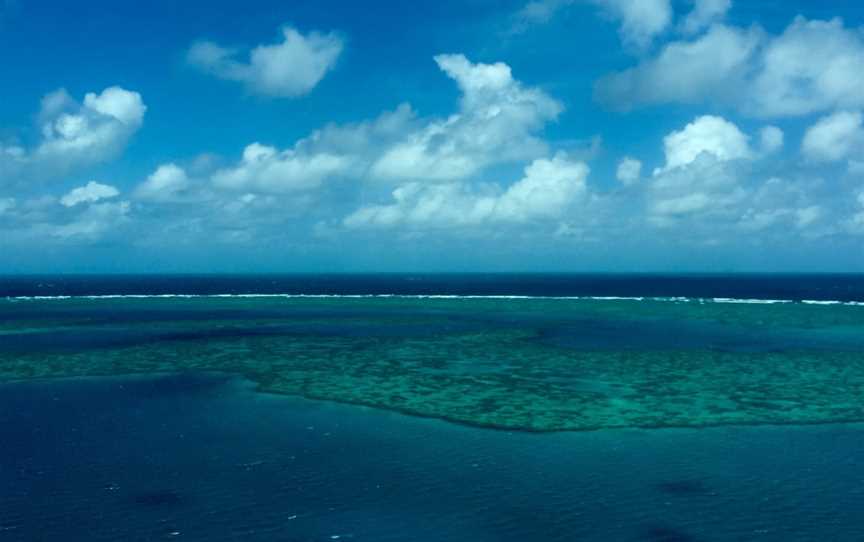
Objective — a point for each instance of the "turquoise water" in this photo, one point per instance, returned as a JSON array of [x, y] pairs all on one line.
[[523, 364], [205, 458]]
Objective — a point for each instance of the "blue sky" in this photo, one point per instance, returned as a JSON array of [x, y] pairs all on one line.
[[563, 135]]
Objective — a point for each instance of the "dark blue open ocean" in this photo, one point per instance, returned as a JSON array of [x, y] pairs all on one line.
[[837, 287], [204, 457]]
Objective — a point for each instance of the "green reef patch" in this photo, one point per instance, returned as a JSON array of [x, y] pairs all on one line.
[[519, 364]]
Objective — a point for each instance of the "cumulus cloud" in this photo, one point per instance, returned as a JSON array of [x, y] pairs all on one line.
[[333, 151], [498, 120], [784, 205], [628, 170], [702, 171], [93, 222], [74, 135], [708, 134], [707, 186], [712, 185], [703, 14], [87, 214], [450, 204], [94, 131], [770, 139], [89, 193], [288, 69], [834, 137], [167, 183], [710, 67], [537, 12], [812, 66], [641, 20], [268, 169], [546, 190]]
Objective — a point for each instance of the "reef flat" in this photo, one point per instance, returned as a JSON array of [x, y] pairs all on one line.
[[520, 364]]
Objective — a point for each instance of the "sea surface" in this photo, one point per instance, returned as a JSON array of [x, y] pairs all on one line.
[[432, 407]]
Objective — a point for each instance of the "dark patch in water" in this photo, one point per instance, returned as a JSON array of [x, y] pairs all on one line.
[[161, 498], [175, 384], [663, 533], [684, 487], [94, 337]]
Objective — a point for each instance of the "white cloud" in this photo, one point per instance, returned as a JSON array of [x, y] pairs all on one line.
[[267, 169], [682, 205], [784, 205], [95, 221], [628, 170], [707, 134], [641, 20], [330, 152], [290, 68], [684, 71], [44, 219], [709, 187], [813, 66], [547, 189], [538, 12], [446, 205], [74, 134], [703, 14], [167, 183], [704, 177], [115, 102], [93, 131], [770, 139], [497, 122], [89, 193], [834, 137]]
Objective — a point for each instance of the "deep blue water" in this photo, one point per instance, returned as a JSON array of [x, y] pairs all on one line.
[[840, 287], [203, 457]]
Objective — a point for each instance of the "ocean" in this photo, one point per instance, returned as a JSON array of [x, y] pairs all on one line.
[[432, 407]]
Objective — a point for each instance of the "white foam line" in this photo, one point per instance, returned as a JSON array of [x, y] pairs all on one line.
[[435, 296], [759, 301], [831, 302]]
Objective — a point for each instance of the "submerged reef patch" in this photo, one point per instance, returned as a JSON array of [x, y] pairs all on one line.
[[521, 364]]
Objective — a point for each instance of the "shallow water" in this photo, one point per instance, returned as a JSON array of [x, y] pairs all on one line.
[[528, 364], [204, 457]]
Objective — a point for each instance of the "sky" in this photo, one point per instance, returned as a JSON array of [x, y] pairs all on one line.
[[473, 135]]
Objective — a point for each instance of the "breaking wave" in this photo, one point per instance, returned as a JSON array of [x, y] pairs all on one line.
[[440, 296]]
